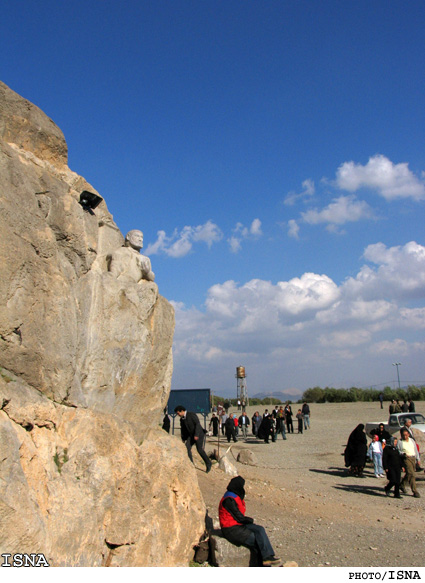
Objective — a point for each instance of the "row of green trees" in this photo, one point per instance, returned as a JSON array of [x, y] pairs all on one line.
[[354, 394], [331, 395], [252, 402]]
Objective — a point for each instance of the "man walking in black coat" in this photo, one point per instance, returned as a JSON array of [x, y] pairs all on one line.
[[392, 462], [229, 428], [192, 433]]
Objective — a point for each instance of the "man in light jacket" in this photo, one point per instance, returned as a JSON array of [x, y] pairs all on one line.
[[409, 453]]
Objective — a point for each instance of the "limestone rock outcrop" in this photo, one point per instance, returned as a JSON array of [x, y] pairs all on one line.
[[87, 477]]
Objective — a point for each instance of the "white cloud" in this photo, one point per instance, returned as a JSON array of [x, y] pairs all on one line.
[[240, 232], [343, 209], [344, 338], [309, 327], [235, 244], [309, 292], [398, 348], [400, 273], [209, 233], [293, 229], [159, 245], [352, 310], [255, 229], [413, 318], [181, 243], [380, 174], [308, 191]]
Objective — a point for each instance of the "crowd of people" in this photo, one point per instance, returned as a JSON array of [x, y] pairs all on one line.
[[408, 406], [236, 527], [394, 457], [390, 455], [267, 426]]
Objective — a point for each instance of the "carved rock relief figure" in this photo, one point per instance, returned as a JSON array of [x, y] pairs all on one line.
[[127, 263]]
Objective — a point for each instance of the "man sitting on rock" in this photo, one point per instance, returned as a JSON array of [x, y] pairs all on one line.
[[239, 529]]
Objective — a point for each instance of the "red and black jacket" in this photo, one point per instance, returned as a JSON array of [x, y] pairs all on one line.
[[231, 512], [228, 517]]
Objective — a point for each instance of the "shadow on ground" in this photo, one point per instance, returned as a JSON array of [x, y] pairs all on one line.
[[360, 489], [339, 472]]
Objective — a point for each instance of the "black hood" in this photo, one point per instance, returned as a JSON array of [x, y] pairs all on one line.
[[236, 485]]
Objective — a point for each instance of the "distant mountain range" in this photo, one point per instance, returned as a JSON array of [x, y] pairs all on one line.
[[282, 396]]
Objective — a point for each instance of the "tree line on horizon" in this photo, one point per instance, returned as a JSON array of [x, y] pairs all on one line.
[[332, 395], [355, 394]]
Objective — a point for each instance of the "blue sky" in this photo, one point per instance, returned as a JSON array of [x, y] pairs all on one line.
[[271, 152]]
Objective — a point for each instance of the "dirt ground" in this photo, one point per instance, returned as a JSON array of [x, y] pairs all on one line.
[[314, 512]]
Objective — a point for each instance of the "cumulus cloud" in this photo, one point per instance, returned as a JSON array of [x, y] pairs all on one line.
[[399, 347], [352, 310], [341, 210], [240, 232], [413, 318], [308, 292], [400, 272], [383, 176], [309, 323], [209, 233], [180, 243], [380, 175], [344, 338]]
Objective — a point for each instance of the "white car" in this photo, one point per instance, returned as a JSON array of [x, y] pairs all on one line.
[[396, 422]]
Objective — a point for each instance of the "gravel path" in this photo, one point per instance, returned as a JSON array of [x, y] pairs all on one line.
[[315, 513]]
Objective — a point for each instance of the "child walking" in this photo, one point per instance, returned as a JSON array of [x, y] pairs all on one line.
[[300, 418], [375, 452]]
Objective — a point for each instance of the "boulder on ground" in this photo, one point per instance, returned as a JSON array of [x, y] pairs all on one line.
[[247, 457], [227, 467]]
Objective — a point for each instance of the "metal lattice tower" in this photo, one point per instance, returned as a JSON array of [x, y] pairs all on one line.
[[241, 390]]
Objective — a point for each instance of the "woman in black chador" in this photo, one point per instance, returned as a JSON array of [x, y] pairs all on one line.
[[265, 430], [355, 452], [392, 462], [215, 424]]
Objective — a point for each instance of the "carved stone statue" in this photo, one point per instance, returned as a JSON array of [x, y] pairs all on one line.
[[127, 264]]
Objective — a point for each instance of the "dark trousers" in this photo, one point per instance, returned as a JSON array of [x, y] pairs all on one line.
[[230, 435], [289, 425], [259, 540], [396, 488], [200, 449]]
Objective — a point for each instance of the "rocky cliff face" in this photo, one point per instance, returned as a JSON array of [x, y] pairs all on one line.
[[87, 477]]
